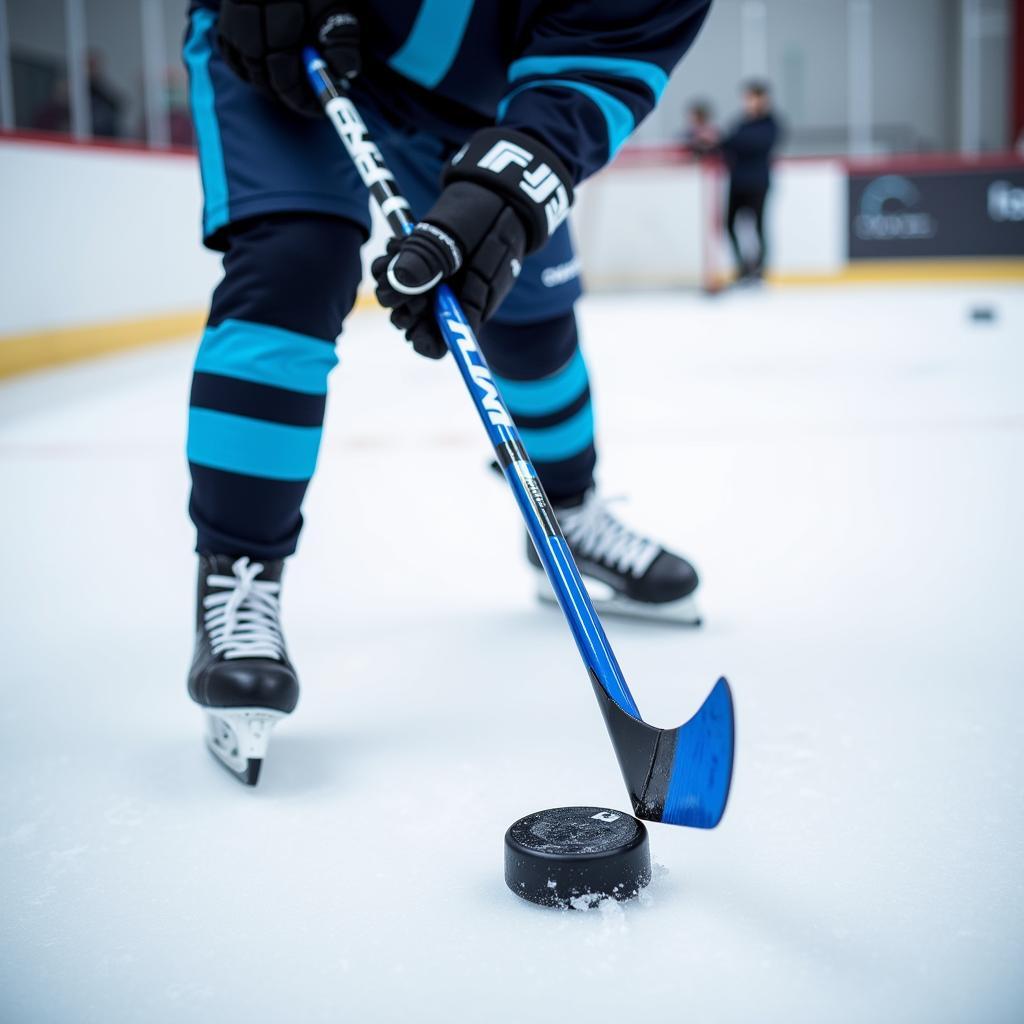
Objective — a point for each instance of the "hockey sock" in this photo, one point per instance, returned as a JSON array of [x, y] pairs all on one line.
[[543, 378]]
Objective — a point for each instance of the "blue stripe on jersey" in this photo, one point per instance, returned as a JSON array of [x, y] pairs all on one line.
[[552, 444], [433, 44], [267, 355], [618, 117], [239, 444], [547, 395], [621, 67], [204, 112]]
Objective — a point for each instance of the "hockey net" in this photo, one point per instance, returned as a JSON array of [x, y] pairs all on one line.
[[652, 219]]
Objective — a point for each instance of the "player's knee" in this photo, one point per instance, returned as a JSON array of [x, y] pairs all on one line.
[[530, 351], [296, 271]]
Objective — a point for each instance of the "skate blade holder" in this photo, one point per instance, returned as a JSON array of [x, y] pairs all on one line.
[[238, 738]]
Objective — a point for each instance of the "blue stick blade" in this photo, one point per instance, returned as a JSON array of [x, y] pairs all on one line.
[[677, 776], [698, 784]]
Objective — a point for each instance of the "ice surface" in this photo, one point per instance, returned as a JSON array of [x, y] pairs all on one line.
[[846, 467]]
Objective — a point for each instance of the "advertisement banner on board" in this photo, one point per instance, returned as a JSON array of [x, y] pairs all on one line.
[[934, 214]]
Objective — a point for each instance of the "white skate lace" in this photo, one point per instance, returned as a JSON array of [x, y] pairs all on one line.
[[594, 532], [242, 615]]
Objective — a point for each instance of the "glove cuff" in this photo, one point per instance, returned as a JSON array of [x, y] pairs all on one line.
[[523, 171]]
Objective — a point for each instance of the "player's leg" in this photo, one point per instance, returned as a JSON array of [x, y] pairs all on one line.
[[289, 212], [532, 347], [255, 418], [757, 203], [733, 207], [260, 383]]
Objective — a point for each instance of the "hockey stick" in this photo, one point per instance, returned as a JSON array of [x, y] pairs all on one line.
[[679, 776]]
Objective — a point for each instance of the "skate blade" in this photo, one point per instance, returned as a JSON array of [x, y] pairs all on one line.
[[238, 738], [608, 601]]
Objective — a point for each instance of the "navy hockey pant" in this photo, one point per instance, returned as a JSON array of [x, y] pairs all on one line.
[[260, 383]]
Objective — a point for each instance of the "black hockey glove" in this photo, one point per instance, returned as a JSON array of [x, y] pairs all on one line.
[[262, 40], [503, 195]]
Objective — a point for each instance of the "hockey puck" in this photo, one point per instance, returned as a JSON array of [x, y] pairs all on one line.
[[983, 313], [574, 857]]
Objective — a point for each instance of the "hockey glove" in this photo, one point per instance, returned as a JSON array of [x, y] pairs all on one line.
[[503, 194], [262, 41]]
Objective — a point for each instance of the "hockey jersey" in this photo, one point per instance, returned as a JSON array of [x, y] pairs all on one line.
[[579, 75]]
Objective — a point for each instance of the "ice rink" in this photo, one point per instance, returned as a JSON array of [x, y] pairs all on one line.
[[846, 468]]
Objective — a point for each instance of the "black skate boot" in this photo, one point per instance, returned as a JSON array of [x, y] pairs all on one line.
[[625, 572], [240, 674]]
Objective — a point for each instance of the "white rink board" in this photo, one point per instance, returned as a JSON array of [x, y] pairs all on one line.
[[643, 227], [93, 235], [852, 497], [807, 217], [655, 225]]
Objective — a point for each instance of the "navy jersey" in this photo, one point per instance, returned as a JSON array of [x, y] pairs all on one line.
[[579, 75], [747, 150]]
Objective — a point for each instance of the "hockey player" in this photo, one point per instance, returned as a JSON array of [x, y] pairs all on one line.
[[472, 102]]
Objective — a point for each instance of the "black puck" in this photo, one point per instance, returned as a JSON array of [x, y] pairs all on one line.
[[576, 856], [983, 314]]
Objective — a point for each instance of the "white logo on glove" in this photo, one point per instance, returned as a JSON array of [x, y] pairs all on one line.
[[503, 153], [540, 184], [333, 22]]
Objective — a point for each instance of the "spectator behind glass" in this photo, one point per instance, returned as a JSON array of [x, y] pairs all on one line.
[[105, 101], [700, 135], [55, 114], [105, 104], [747, 150]]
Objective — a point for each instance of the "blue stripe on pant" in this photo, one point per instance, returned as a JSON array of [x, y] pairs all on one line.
[[559, 441], [543, 379], [241, 444], [263, 354], [202, 99]]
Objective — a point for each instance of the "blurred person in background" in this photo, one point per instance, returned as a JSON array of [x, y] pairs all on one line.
[[55, 114], [105, 101], [747, 150], [701, 135]]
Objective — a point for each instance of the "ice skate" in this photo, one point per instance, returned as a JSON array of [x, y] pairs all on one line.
[[240, 674], [625, 572]]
